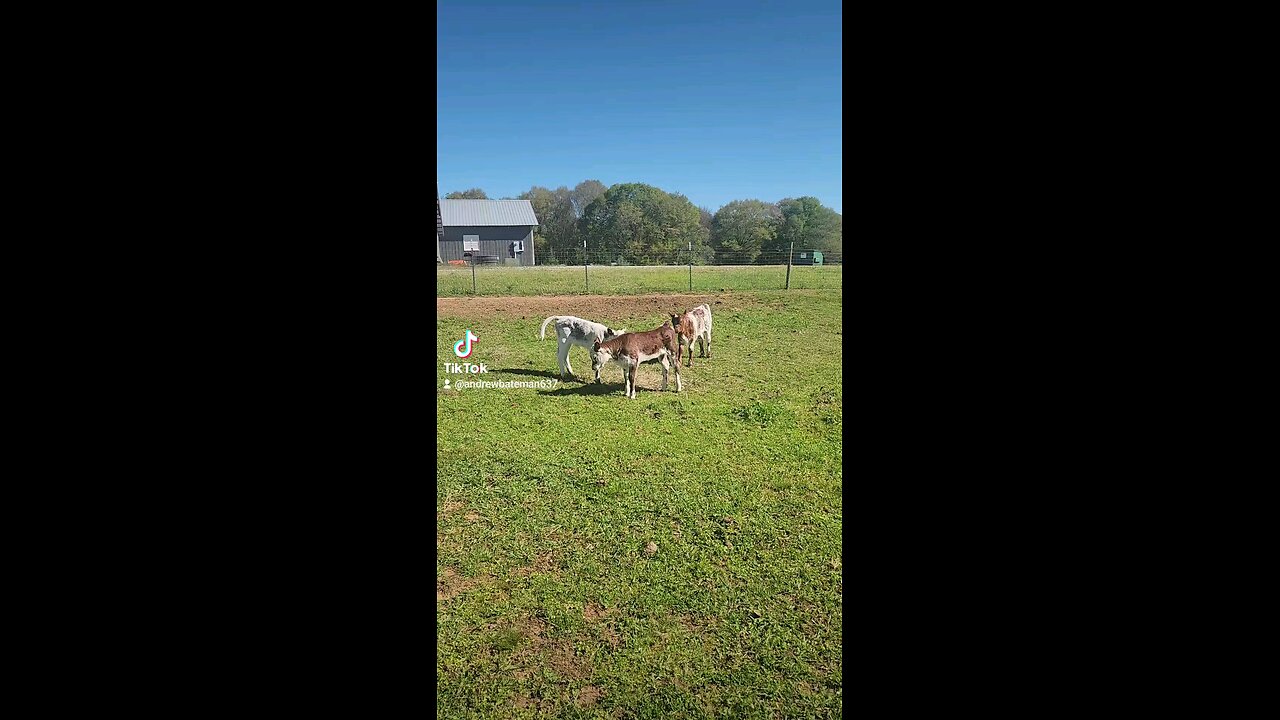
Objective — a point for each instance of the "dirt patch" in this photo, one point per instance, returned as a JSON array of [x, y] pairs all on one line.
[[524, 702], [542, 707], [595, 611], [610, 636], [536, 650], [544, 564], [698, 625], [533, 633], [538, 307], [450, 584], [472, 516], [449, 506], [598, 615], [589, 696], [564, 660]]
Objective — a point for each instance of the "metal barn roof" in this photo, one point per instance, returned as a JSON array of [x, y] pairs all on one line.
[[470, 213]]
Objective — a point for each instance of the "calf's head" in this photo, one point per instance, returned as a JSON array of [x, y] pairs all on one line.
[[599, 356], [682, 325]]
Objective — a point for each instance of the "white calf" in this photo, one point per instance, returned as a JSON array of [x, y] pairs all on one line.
[[576, 331]]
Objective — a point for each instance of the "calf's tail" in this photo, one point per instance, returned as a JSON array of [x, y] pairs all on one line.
[[542, 331]]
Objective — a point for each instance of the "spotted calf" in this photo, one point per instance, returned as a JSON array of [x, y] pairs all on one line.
[[633, 349], [693, 327]]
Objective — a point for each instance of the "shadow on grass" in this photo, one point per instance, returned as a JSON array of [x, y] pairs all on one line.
[[590, 388], [536, 373]]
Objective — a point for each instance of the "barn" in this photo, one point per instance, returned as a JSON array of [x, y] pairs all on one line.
[[490, 231]]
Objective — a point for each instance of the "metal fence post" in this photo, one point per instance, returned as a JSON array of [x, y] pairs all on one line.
[[585, 277], [790, 252], [690, 266], [473, 274]]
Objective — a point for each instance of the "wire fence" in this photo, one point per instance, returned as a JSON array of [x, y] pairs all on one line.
[[600, 274]]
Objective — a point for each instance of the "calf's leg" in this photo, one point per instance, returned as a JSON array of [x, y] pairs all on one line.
[[562, 356]]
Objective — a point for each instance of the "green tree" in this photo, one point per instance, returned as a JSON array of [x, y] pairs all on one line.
[[540, 199], [557, 231], [472, 194], [810, 225], [699, 240], [705, 218], [643, 225], [583, 194], [744, 228]]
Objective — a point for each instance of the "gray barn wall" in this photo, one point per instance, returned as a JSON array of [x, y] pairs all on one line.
[[493, 241]]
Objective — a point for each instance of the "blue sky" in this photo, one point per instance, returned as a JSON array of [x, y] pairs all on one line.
[[717, 100]]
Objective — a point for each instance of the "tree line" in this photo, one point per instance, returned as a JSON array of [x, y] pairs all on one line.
[[638, 224]]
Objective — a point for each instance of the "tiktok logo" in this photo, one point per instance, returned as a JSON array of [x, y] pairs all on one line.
[[461, 351]]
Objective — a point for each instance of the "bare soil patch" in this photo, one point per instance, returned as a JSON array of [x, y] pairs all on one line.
[[536, 651], [589, 696], [599, 616], [594, 611], [544, 564], [450, 584], [610, 636]]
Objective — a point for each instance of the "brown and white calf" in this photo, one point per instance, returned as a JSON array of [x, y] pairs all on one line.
[[692, 327], [633, 349]]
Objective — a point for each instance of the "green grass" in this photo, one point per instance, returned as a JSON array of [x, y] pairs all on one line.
[[548, 604], [607, 280]]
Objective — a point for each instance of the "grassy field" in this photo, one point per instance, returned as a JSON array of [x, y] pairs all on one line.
[[606, 280], [674, 556]]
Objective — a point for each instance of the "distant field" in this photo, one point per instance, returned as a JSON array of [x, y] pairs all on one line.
[[632, 280], [550, 600]]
